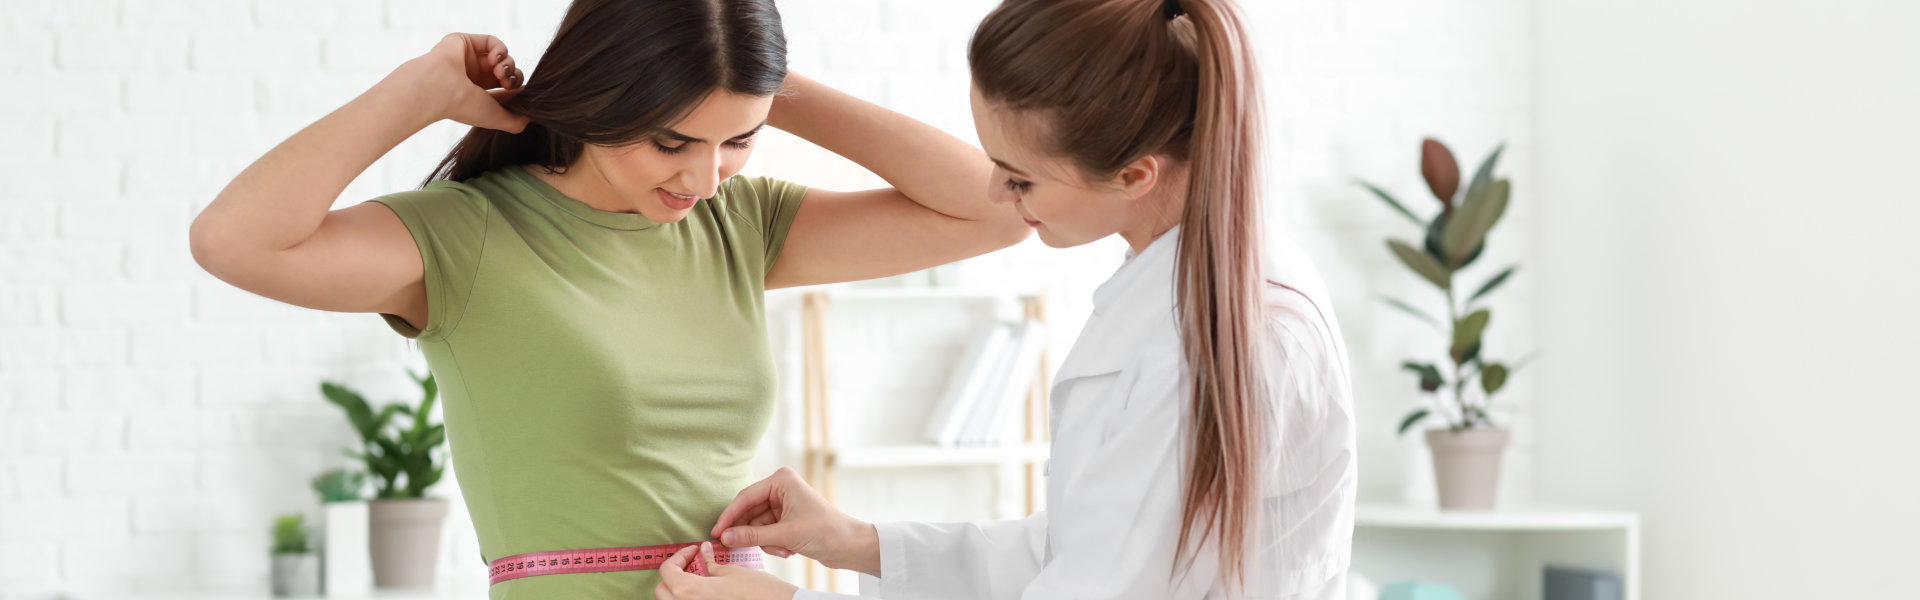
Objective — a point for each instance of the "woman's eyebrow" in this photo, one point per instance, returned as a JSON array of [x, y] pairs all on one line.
[[681, 137], [750, 132]]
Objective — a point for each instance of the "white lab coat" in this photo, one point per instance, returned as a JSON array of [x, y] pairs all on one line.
[[1115, 474]]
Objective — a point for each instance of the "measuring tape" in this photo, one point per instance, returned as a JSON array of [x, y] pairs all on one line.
[[608, 560]]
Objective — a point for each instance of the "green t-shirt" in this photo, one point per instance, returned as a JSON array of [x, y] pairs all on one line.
[[605, 378]]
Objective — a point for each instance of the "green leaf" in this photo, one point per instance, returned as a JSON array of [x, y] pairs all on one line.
[[358, 413], [1467, 231], [1484, 176], [1466, 335], [418, 486], [1397, 207], [1415, 312], [429, 393], [1436, 248], [1422, 264], [1430, 379], [1468, 355], [1411, 419], [1492, 378], [386, 416], [390, 449], [1432, 241], [1493, 283], [435, 436], [428, 386]]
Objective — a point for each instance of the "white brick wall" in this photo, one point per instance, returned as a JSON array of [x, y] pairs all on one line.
[[147, 410]]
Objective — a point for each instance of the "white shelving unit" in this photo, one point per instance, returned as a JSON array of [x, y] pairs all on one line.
[[824, 458], [1494, 555]]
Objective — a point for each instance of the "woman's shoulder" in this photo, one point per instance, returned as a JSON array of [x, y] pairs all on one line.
[[755, 198], [1308, 352], [468, 195]]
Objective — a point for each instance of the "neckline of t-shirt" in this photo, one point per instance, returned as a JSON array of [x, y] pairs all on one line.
[[611, 220]]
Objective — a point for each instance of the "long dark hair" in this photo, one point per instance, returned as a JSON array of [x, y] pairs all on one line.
[[619, 71], [1118, 80]]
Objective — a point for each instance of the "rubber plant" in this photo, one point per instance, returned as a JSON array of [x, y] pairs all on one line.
[[1452, 240], [403, 458]]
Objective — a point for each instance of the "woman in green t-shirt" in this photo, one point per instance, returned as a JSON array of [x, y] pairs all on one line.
[[584, 272]]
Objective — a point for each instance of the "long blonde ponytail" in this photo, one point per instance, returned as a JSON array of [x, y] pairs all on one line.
[[1122, 79]]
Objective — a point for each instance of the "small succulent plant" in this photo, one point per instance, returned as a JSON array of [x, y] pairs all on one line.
[[339, 485], [290, 534], [1454, 238]]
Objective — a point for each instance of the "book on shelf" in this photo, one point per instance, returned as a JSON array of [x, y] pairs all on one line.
[[988, 386], [964, 388]]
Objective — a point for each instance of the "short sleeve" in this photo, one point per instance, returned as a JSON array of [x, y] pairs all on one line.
[[449, 225], [768, 205]]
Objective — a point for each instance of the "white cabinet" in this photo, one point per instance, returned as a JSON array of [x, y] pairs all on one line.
[[1494, 555]]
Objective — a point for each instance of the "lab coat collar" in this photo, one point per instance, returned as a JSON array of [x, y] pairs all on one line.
[[1146, 266], [1133, 309]]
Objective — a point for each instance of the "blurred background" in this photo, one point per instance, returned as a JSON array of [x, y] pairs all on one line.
[[1710, 209]]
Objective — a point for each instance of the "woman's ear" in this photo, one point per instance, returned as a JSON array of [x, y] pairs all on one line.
[[1138, 177]]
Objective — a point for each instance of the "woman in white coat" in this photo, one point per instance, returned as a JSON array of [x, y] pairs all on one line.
[[1203, 442]]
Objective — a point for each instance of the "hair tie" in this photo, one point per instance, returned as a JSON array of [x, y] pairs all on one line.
[[1172, 9]]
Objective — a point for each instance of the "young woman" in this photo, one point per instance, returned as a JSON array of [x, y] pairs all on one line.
[[1202, 428], [584, 272]]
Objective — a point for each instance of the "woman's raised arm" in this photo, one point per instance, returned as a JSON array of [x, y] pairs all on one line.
[[270, 231], [937, 211]]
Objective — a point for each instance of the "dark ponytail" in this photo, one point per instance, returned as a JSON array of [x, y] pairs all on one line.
[[619, 71]]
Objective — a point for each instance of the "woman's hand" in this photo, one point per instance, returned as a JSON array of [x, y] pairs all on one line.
[[784, 516], [467, 76], [723, 582]]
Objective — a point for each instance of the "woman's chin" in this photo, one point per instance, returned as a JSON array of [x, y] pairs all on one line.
[[1053, 240]]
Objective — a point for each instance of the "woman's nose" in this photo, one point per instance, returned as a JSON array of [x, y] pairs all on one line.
[[703, 176]]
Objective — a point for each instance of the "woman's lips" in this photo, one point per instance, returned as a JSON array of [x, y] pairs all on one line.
[[676, 201]]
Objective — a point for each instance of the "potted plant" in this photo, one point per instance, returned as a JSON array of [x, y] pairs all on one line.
[[296, 570], [405, 460], [345, 565], [1467, 451]]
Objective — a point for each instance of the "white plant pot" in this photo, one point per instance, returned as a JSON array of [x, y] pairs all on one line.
[[296, 575], [347, 566], [1466, 465], [406, 541]]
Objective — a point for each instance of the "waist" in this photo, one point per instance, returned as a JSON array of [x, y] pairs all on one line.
[[608, 560]]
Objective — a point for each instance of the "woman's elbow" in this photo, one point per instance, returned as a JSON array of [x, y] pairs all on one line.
[[212, 246]]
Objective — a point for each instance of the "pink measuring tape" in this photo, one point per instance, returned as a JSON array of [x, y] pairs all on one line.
[[609, 560]]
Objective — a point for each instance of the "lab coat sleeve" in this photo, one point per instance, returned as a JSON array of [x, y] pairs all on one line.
[[979, 560], [1312, 477], [1125, 501]]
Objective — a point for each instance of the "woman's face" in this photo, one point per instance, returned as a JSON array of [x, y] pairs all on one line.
[[664, 177], [1060, 204]]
